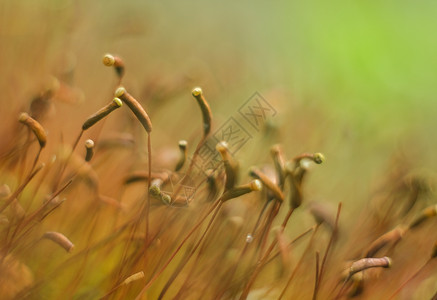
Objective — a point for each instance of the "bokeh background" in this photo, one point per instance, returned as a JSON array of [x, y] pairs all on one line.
[[355, 80]]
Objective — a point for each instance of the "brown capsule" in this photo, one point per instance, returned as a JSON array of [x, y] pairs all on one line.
[[366, 263], [116, 62], [212, 184], [135, 107], [42, 104], [89, 146], [155, 191], [111, 202], [166, 199], [136, 177], [425, 214], [357, 285], [134, 277], [238, 191], [393, 236], [322, 214], [270, 185], [279, 162], [101, 113], [59, 239], [183, 157], [206, 110], [144, 175], [36, 128], [295, 177], [155, 187], [434, 251], [231, 165], [318, 158]]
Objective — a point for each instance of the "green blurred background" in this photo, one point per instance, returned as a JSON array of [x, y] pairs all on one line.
[[352, 79]]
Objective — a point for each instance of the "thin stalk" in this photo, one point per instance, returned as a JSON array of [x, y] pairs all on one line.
[[26, 221], [296, 268], [325, 257], [64, 164], [272, 216], [410, 279], [186, 285], [234, 268], [133, 229], [434, 297], [185, 261], [258, 221], [145, 210], [292, 242], [149, 158], [35, 161], [23, 158], [264, 258], [63, 266], [316, 281], [152, 280], [20, 188], [190, 166]]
